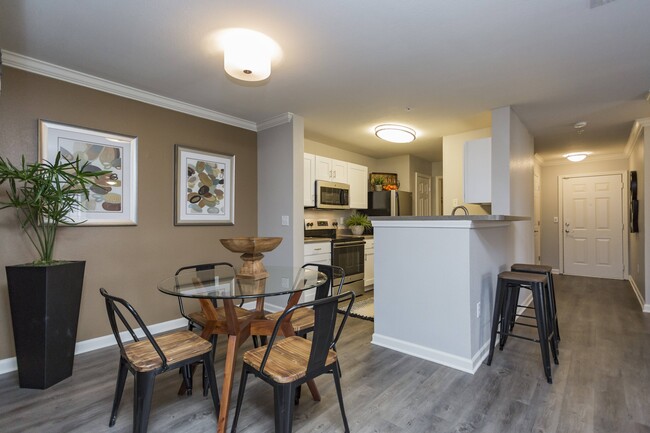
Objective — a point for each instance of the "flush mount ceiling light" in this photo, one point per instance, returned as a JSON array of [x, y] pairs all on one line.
[[576, 156], [395, 133], [247, 54]]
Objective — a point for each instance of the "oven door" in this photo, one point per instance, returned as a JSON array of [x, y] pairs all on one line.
[[349, 256]]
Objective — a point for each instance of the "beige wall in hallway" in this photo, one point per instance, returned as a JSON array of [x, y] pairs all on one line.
[[550, 209], [637, 240], [127, 261]]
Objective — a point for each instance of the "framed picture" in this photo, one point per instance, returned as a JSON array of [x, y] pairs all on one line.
[[204, 187], [113, 201]]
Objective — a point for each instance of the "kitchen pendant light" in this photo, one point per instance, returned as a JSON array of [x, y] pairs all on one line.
[[395, 133]]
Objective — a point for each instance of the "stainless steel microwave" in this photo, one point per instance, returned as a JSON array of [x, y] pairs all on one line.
[[332, 195]]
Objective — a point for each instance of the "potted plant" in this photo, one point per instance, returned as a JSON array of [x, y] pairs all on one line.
[[358, 222], [378, 183], [45, 295]]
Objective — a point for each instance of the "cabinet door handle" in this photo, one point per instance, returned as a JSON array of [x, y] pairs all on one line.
[[317, 249]]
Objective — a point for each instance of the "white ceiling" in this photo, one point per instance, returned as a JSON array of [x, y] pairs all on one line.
[[439, 66]]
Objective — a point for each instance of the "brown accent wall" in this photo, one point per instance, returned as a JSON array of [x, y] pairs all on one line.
[[127, 261]]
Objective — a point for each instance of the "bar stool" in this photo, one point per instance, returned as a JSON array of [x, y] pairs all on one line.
[[545, 270], [508, 286]]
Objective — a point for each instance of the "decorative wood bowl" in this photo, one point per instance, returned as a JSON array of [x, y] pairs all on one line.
[[252, 249]]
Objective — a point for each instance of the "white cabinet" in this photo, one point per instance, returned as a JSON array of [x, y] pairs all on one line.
[[318, 253], [358, 180], [477, 171], [369, 263], [309, 179], [332, 170]]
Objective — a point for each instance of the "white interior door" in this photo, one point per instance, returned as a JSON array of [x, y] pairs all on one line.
[[423, 195], [592, 226]]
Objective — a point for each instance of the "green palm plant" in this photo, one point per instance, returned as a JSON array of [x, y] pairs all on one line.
[[44, 195]]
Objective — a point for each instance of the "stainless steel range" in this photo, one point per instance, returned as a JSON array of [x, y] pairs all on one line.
[[347, 252]]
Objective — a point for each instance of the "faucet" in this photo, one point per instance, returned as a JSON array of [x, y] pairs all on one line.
[[464, 209]]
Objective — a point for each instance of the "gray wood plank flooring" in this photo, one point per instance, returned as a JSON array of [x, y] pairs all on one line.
[[601, 385]]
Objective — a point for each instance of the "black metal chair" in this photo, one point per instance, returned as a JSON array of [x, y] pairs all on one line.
[[197, 319], [294, 360], [147, 358]]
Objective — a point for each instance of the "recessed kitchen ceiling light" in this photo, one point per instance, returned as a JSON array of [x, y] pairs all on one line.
[[395, 133], [576, 156]]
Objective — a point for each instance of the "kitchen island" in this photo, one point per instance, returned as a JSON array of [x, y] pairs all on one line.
[[435, 282]]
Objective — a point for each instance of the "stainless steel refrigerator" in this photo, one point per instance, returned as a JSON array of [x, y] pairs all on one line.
[[390, 203]]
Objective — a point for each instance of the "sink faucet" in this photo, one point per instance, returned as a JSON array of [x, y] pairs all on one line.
[[464, 209]]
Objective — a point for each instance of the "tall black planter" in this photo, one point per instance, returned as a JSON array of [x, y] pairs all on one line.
[[45, 304]]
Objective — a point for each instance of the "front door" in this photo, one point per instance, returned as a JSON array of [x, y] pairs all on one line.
[[592, 226]]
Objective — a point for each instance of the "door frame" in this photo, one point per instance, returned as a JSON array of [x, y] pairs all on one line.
[[437, 209], [625, 216]]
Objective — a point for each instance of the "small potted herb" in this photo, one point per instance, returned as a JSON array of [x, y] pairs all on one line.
[[378, 183], [358, 222]]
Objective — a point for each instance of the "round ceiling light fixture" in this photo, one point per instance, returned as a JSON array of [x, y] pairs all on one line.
[[576, 156], [395, 133], [247, 54], [580, 125]]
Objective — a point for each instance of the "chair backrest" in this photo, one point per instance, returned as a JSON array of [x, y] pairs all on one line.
[[325, 289], [325, 333], [203, 267], [114, 306]]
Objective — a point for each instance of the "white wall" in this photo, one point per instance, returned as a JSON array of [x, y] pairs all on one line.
[[636, 245], [322, 149], [452, 170], [279, 189], [396, 164]]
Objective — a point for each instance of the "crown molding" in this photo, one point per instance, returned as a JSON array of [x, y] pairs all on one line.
[[278, 120], [50, 70], [632, 140], [539, 158]]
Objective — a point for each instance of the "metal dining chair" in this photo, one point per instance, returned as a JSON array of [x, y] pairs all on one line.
[[149, 357], [292, 361]]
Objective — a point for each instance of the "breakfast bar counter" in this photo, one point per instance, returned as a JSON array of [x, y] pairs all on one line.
[[435, 281]]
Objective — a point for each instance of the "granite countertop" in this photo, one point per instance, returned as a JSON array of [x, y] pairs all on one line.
[[451, 218]]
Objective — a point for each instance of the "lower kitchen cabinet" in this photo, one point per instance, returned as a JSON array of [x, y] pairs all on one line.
[[319, 253], [369, 263]]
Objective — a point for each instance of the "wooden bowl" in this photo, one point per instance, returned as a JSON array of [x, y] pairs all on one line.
[[251, 245]]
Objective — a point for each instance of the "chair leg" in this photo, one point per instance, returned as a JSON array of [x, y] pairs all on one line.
[[208, 368], [540, 313], [187, 378], [337, 383], [283, 396], [143, 392], [496, 316], [240, 396], [119, 389], [507, 317], [256, 342]]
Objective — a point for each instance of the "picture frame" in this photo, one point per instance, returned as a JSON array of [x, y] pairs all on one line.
[[113, 201], [204, 187]]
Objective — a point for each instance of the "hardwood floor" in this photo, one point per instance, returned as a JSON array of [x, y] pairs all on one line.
[[601, 385]]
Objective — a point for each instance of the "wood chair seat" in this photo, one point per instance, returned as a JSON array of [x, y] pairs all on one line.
[[198, 317], [302, 320], [177, 347], [287, 360]]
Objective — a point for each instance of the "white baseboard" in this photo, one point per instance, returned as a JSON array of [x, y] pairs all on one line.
[[468, 365], [645, 307], [9, 364], [555, 271]]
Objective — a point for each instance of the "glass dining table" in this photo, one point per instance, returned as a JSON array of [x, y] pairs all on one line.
[[219, 284]]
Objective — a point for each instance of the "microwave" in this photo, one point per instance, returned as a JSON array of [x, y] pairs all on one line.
[[332, 195]]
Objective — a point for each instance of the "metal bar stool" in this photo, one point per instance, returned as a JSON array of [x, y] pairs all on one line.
[[545, 270], [508, 286]]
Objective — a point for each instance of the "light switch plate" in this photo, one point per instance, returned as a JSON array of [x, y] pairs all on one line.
[[285, 220]]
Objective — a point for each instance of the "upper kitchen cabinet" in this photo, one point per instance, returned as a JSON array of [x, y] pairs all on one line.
[[331, 169], [358, 180], [477, 171], [309, 179]]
